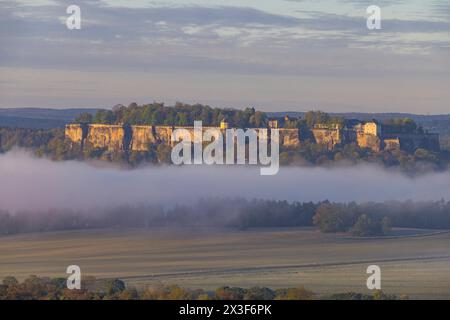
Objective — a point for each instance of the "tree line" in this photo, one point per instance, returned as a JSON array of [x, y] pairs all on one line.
[[364, 219], [182, 114], [45, 288], [312, 154], [179, 115]]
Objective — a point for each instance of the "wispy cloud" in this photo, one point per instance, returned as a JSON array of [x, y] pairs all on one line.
[[323, 38]]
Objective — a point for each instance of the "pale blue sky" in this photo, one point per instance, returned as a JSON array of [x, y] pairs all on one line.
[[271, 54]]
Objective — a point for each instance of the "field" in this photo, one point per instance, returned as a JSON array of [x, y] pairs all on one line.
[[415, 265]]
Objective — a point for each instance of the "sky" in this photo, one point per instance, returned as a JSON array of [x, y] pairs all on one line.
[[274, 55]]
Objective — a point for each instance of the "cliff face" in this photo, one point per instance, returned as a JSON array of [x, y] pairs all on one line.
[[76, 133], [140, 138], [164, 133], [111, 137]]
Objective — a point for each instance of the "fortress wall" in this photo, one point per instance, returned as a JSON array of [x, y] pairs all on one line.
[[367, 140], [372, 128], [328, 137], [289, 138], [411, 142]]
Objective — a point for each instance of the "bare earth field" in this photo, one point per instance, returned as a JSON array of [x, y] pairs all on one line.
[[415, 265]]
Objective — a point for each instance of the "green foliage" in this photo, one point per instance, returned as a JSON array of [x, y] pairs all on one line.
[[299, 293], [114, 287], [104, 117], [172, 292], [36, 288], [405, 125], [163, 153], [137, 157], [89, 152], [367, 226], [263, 213], [333, 217], [180, 115], [349, 296], [26, 138], [258, 293], [227, 293], [312, 154], [10, 281], [365, 219], [49, 143], [84, 118], [313, 118], [378, 295]]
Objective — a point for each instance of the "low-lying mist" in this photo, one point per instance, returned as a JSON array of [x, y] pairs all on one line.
[[30, 183]]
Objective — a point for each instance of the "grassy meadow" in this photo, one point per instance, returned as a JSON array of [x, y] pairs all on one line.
[[416, 264]]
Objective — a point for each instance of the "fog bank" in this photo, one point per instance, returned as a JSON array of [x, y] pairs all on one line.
[[30, 183]]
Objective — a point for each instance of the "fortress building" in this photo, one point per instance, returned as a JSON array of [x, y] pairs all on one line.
[[371, 135]]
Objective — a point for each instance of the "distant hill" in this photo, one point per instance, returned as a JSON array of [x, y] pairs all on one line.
[[38, 118]]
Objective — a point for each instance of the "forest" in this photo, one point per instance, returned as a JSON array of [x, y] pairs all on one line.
[[360, 220], [43, 288], [178, 115]]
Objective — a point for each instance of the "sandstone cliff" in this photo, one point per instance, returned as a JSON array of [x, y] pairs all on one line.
[[76, 133], [141, 138], [111, 137]]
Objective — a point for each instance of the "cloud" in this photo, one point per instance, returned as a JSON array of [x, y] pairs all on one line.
[[29, 183], [214, 38], [220, 39], [193, 26]]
